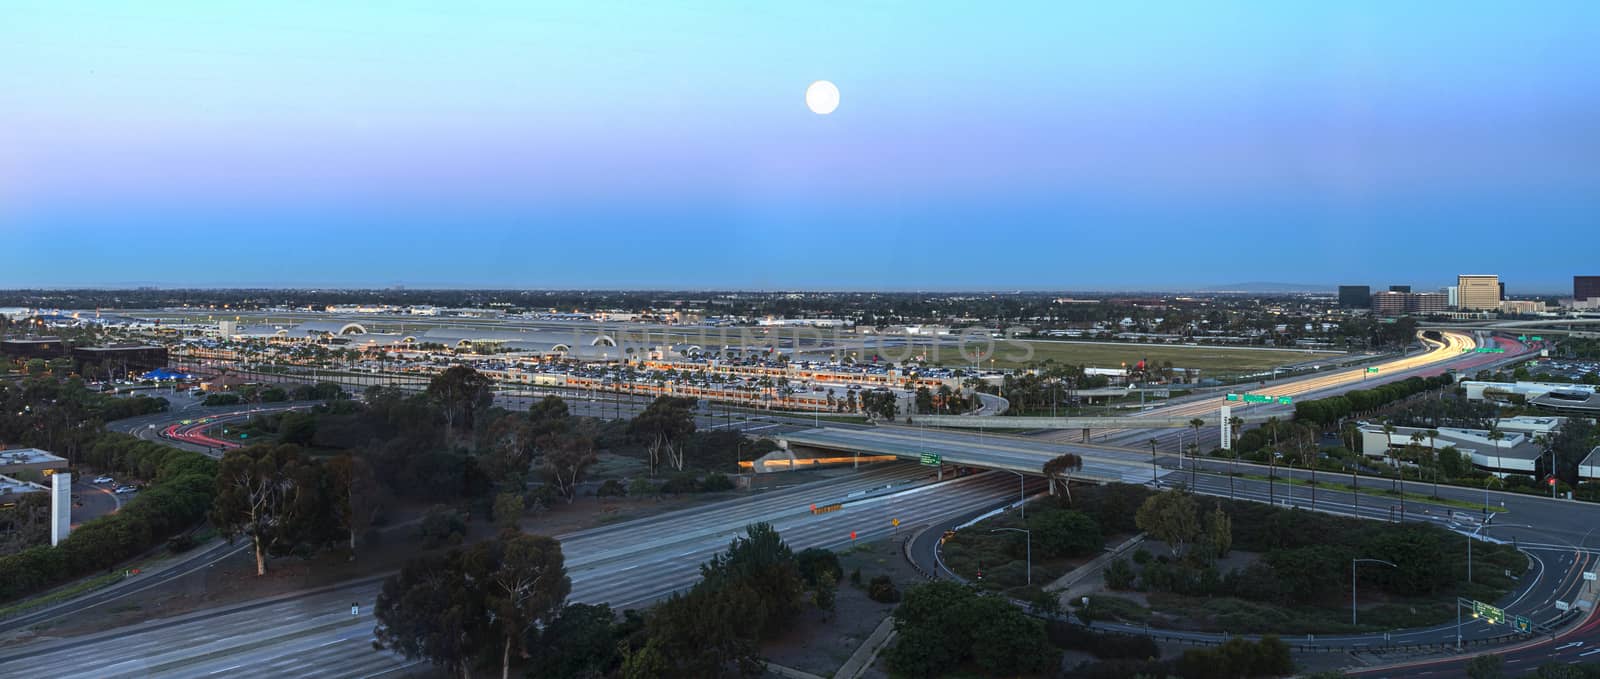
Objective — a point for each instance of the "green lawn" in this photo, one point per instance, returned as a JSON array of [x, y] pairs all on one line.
[[1111, 355]]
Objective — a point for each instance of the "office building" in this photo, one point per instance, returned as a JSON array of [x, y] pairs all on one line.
[[1477, 292], [35, 347], [120, 360], [1356, 296], [1502, 291], [1451, 298], [1387, 303], [1427, 303], [1399, 288], [1583, 288]]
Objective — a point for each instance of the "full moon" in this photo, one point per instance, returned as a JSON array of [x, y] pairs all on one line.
[[822, 97]]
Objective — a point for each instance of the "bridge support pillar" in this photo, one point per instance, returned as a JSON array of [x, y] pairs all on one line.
[[1085, 434]]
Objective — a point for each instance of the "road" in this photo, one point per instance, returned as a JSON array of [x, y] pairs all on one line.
[[627, 564]]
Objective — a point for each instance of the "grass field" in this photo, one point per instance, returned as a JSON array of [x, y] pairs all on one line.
[[1112, 355]]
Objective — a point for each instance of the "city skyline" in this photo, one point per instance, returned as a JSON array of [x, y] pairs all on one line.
[[1030, 147]]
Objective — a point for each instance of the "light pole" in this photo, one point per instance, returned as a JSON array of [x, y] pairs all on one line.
[[1028, 536], [1353, 563]]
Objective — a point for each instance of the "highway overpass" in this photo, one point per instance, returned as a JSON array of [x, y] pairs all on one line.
[[1110, 422], [1021, 455]]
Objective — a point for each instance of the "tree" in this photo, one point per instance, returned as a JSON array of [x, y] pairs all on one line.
[[524, 582], [431, 611], [565, 456], [262, 493], [1062, 467], [356, 496], [1059, 532], [1486, 666], [508, 508], [663, 426], [461, 393], [1171, 517], [580, 642]]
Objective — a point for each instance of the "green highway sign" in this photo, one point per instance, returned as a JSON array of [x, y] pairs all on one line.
[[1285, 400], [1489, 350], [1522, 338], [1537, 338], [932, 459], [1372, 371], [1487, 612], [1232, 397], [1257, 398], [1522, 624]]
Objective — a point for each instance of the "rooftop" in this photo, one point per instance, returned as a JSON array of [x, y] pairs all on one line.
[[10, 486], [18, 456]]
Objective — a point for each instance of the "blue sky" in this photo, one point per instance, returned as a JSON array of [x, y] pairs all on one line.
[[635, 144]]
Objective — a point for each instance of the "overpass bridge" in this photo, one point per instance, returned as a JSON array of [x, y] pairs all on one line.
[[1108, 422], [1025, 456]]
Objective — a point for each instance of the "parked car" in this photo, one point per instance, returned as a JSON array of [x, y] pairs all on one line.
[[103, 479]]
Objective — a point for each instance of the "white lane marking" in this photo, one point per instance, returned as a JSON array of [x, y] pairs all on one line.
[[225, 669]]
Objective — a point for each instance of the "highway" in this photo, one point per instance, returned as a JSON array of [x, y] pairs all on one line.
[[627, 564]]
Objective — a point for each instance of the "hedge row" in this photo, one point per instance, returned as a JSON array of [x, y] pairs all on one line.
[[180, 495], [1327, 411]]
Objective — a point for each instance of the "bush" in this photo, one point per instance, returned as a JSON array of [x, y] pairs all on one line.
[[1119, 575], [441, 526], [611, 488], [222, 400], [1237, 658], [882, 590], [817, 564], [178, 544], [1060, 532], [1073, 637], [1141, 556], [716, 483]]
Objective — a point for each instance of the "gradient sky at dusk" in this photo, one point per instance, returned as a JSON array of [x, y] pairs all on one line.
[[644, 144]]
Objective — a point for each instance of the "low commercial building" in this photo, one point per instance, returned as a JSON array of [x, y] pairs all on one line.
[[1589, 468], [31, 460], [1515, 454], [35, 347], [10, 488]]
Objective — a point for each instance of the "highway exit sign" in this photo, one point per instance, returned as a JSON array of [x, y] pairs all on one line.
[[1372, 371], [1487, 612], [1232, 397], [1285, 400], [932, 459]]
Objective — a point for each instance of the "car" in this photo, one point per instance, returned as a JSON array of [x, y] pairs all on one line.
[[123, 490], [103, 479]]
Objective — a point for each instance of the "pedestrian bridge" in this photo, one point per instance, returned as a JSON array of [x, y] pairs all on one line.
[[963, 449]]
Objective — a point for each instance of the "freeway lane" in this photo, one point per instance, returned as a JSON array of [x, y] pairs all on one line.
[[627, 564]]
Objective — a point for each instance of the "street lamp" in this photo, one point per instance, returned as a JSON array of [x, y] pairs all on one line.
[[1028, 536], [1353, 563]]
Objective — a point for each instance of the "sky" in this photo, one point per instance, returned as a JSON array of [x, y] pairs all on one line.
[[1021, 145]]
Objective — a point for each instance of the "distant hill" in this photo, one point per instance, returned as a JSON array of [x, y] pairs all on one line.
[[1267, 286]]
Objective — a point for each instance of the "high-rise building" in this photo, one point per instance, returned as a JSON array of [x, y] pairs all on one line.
[[1502, 291], [1355, 296], [1399, 288], [1478, 292], [1427, 302], [1387, 303], [1450, 294], [1583, 287]]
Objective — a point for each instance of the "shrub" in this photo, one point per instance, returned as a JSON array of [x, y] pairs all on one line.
[[441, 526], [817, 564], [178, 544], [1141, 556], [1119, 575], [882, 590], [1060, 532], [611, 488], [715, 483]]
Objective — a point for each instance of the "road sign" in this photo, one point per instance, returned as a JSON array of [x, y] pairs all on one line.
[[1372, 371], [1563, 606], [1285, 400], [1537, 338], [1487, 612], [1588, 575], [894, 522], [826, 508], [1522, 338], [1232, 397], [1522, 624], [1257, 398], [932, 459]]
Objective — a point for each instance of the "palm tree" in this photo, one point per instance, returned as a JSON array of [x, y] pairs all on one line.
[[1196, 424], [1308, 455], [1496, 436], [1152, 460], [1388, 446]]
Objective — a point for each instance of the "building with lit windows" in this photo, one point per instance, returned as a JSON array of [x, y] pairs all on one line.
[[1476, 292]]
